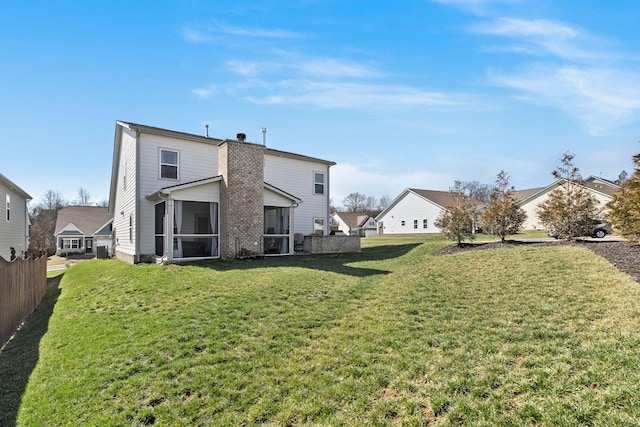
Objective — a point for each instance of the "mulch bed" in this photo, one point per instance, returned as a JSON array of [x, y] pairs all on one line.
[[622, 254]]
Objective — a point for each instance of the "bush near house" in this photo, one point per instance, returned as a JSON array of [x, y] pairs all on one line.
[[393, 335]]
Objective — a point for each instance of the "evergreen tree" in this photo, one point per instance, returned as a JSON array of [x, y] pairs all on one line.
[[624, 208], [503, 216], [570, 210], [457, 220]]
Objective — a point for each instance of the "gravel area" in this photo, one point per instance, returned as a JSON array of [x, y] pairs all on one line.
[[624, 255]]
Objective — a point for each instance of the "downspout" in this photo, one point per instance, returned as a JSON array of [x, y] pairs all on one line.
[[328, 216]]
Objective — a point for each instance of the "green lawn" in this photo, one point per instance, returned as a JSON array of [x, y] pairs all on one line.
[[391, 336]]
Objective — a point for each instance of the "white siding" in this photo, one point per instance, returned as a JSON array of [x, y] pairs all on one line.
[[533, 223], [125, 199], [13, 233], [296, 177], [409, 208], [196, 161]]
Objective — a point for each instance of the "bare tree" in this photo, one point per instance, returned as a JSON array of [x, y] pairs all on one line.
[[83, 196], [53, 200], [355, 202], [478, 191], [384, 201]]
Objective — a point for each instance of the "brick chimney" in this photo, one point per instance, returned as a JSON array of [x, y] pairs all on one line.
[[241, 197]]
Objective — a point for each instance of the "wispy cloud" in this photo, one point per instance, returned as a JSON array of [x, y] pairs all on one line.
[[598, 98], [475, 6], [204, 34], [356, 95], [541, 37], [328, 83], [572, 70]]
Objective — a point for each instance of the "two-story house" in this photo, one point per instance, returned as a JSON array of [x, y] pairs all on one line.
[[14, 219], [177, 196]]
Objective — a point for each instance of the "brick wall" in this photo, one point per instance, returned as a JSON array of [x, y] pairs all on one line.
[[241, 165]]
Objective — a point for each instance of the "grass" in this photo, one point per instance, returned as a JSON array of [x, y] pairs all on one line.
[[392, 336]]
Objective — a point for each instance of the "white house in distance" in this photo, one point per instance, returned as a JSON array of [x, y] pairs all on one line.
[[355, 223], [415, 211], [530, 199], [179, 196], [84, 230], [14, 220]]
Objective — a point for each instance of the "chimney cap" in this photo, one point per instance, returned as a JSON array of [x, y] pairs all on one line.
[[241, 137]]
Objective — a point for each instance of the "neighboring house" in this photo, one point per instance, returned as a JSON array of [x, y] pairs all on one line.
[[84, 230], [415, 212], [530, 199], [178, 196], [14, 219], [355, 223]]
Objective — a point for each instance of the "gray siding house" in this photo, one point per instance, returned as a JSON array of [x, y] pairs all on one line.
[[14, 219]]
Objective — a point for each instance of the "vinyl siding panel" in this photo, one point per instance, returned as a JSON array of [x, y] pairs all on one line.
[[409, 208], [296, 177], [196, 161], [13, 233], [530, 208], [126, 194]]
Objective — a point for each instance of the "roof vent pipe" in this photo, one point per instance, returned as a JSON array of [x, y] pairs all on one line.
[[264, 136], [241, 137], [206, 130]]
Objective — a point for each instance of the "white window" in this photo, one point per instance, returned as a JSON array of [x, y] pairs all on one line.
[[70, 244], [415, 224], [131, 227], [8, 208], [318, 226], [169, 161], [318, 182], [424, 223], [402, 223]]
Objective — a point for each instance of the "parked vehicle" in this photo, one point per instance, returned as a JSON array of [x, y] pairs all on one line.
[[598, 230]]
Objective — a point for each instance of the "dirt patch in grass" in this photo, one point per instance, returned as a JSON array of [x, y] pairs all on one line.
[[624, 255]]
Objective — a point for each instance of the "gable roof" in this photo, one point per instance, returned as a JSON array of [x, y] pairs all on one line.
[[603, 187], [12, 186], [353, 219], [442, 199], [87, 219], [203, 181], [184, 136]]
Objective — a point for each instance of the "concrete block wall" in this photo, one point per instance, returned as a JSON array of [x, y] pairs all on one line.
[[241, 165], [331, 244]]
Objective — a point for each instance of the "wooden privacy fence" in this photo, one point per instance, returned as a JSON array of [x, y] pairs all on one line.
[[23, 283]]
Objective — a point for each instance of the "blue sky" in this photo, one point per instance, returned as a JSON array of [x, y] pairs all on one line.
[[411, 93]]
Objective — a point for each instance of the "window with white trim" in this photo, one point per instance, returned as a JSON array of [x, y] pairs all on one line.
[[424, 223], [415, 224], [319, 182], [402, 223], [169, 164], [8, 208]]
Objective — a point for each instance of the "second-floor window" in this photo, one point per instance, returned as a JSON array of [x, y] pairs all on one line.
[[169, 160], [8, 208], [318, 183]]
